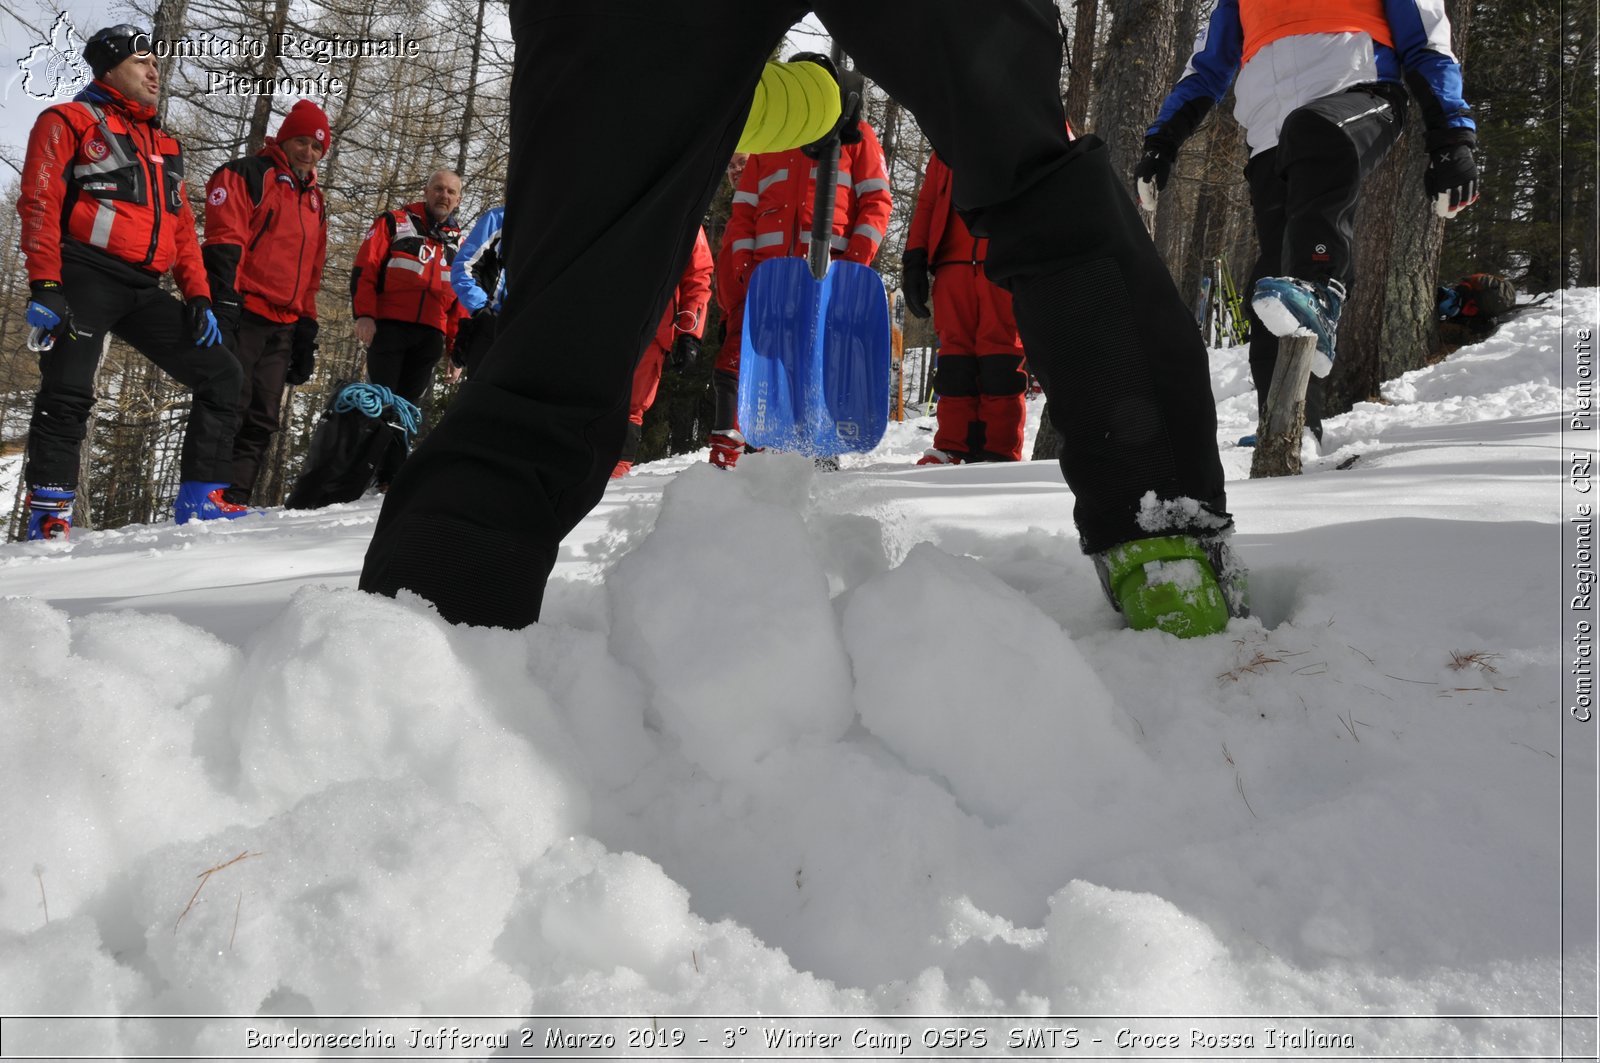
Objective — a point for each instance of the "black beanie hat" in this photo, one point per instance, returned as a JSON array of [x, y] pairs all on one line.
[[112, 45]]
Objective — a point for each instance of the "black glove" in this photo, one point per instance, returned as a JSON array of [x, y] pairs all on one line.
[[685, 352], [302, 351], [1150, 176], [203, 325], [914, 280], [1452, 179]]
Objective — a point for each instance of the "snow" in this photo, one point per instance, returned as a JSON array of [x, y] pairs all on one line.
[[864, 744]]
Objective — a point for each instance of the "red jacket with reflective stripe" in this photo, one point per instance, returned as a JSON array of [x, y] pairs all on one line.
[[402, 272], [112, 181], [687, 310], [771, 215], [266, 236]]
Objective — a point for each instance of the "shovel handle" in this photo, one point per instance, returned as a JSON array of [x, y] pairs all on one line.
[[821, 252]]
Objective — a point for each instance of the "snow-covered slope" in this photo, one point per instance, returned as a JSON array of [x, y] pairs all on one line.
[[868, 743]]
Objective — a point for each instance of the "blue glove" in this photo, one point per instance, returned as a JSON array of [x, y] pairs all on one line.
[[47, 309], [203, 323], [41, 316]]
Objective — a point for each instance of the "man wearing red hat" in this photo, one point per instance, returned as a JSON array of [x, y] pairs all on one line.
[[266, 238], [104, 215]]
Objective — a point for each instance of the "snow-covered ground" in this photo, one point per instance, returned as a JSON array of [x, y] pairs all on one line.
[[867, 747]]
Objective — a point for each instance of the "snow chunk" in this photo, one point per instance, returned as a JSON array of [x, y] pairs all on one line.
[[962, 676], [749, 660]]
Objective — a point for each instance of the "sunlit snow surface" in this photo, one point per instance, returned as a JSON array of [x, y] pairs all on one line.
[[790, 743]]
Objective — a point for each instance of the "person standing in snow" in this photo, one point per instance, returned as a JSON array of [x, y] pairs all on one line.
[[105, 214], [524, 454], [479, 279], [980, 376], [676, 343], [406, 310], [266, 239], [1319, 92], [771, 218]]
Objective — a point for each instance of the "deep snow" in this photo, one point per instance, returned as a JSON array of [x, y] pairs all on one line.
[[868, 743]]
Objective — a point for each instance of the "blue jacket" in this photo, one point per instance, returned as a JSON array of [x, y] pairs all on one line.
[[478, 269], [1323, 64]]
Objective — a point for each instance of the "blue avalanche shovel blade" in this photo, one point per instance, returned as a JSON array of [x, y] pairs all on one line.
[[814, 368]]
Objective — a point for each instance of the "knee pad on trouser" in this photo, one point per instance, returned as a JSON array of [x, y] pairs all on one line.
[[955, 378], [630, 442], [1002, 409]]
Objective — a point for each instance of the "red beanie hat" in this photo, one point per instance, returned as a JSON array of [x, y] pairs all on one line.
[[305, 119]]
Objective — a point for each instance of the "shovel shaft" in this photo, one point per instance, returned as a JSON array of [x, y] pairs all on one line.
[[822, 209]]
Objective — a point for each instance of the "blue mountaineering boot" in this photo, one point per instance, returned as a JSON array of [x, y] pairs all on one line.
[[202, 501], [1288, 307], [1181, 584], [49, 512]]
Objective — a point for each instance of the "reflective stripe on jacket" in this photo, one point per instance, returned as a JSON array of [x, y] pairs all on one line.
[[101, 171], [402, 271], [772, 207]]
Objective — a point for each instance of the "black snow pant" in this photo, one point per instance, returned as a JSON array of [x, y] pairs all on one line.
[[539, 431], [262, 348], [107, 296], [1304, 193], [401, 358]]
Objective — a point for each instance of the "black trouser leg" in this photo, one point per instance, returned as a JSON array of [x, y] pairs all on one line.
[[1268, 198], [65, 400], [544, 429], [402, 358], [540, 430], [262, 348], [158, 329], [1105, 329], [1327, 148]]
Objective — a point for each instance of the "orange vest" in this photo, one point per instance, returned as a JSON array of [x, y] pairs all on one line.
[[1265, 21]]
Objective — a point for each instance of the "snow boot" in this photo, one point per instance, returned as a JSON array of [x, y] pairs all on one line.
[[1290, 307], [1181, 584], [49, 512], [727, 447], [198, 500], [932, 456]]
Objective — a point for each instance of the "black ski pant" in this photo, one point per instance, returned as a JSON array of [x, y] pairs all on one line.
[[262, 347], [111, 298], [540, 430], [1304, 193], [402, 358]]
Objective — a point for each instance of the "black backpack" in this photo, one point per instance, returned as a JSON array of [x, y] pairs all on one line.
[[358, 426]]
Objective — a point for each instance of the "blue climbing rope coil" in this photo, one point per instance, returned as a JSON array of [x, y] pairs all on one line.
[[373, 399]]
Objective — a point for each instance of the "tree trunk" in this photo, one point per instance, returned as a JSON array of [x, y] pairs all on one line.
[[261, 116], [1388, 326], [1134, 76], [1081, 63], [472, 92], [1277, 451]]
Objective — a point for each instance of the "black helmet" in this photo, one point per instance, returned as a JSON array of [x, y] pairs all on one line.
[[112, 45], [815, 57]]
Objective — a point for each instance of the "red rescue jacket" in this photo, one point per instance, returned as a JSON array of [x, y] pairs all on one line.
[[402, 272], [266, 236], [772, 211], [935, 225], [102, 172], [687, 310]]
